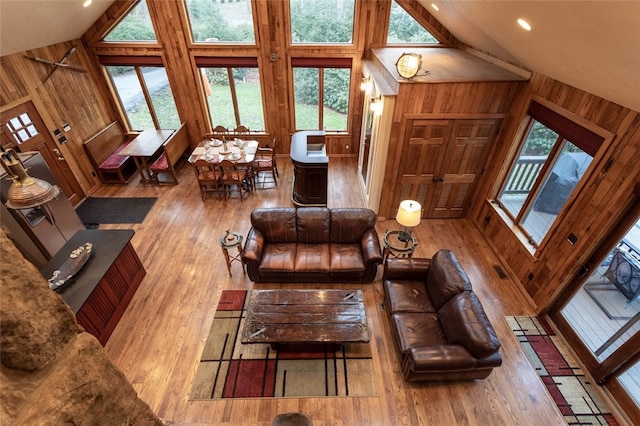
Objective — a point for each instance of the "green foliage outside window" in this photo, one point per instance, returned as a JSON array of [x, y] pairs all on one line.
[[136, 26], [404, 29], [322, 21], [229, 21]]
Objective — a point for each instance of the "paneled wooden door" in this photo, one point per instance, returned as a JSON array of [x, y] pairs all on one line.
[[441, 162], [24, 130]]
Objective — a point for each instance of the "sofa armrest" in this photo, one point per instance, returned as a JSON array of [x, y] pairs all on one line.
[[440, 358], [371, 252], [414, 269], [252, 252]]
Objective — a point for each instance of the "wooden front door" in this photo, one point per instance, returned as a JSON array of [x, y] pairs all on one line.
[[24, 130], [442, 160]]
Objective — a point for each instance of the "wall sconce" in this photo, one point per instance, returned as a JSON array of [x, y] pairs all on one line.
[[408, 65], [408, 216], [365, 84], [376, 105], [25, 192]]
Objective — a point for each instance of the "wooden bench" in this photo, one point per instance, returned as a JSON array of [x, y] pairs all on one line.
[[172, 151], [103, 149]]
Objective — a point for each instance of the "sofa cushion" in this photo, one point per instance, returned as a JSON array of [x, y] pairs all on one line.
[[349, 224], [465, 323], [407, 296], [313, 224], [312, 258], [414, 330], [278, 225], [278, 257], [445, 278], [346, 257]]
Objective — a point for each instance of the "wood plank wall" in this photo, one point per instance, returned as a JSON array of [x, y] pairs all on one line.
[[604, 197], [87, 104]]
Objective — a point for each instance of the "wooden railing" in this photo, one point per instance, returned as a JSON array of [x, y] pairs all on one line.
[[526, 171]]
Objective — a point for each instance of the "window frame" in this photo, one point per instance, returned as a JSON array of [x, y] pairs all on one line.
[[569, 128], [229, 63], [321, 64], [137, 62]]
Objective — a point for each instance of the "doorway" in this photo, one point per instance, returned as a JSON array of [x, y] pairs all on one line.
[[24, 130], [601, 319]]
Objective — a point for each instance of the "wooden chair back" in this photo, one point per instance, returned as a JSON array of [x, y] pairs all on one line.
[[241, 130], [233, 176], [209, 177], [265, 161], [173, 149]]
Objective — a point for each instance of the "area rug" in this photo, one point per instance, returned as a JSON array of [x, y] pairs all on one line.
[[572, 392], [230, 369], [95, 210]]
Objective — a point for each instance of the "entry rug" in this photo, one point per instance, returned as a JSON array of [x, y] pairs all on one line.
[[230, 369], [571, 390], [97, 210]]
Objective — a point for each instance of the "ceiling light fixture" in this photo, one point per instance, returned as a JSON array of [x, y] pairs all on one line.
[[87, 3], [435, 7], [408, 65], [524, 24]]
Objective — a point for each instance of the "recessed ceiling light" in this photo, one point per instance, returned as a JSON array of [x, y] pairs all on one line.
[[86, 3], [524, 24], [435, 7]]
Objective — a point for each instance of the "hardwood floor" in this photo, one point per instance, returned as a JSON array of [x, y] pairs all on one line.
[[158, 342]]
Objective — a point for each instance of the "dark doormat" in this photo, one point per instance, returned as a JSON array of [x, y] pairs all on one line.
[[94, 211]]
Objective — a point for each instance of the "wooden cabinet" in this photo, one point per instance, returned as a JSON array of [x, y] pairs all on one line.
[[310, 169], [442, 160], [101, 291]]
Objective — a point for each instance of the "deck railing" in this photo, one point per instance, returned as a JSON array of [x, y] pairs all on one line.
[[525, 172]]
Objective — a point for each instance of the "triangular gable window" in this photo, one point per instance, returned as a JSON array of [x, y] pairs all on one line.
[[135, 26], [403, 29]]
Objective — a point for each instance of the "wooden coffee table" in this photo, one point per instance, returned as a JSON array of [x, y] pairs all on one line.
[[305, 316]]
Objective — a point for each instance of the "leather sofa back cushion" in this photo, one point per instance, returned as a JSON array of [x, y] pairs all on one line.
[[313, 225], [349, 224], [465, 323], [446, 278], [278, 225]]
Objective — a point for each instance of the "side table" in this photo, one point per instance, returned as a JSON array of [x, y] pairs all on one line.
[[392, 246], [228, 241]]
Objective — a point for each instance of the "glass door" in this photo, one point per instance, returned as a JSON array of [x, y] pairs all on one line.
[[601, 320]]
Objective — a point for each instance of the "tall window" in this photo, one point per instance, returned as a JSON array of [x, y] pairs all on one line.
[[135, 26], [321, 21], [232, 89], [321, 93], [143, 91], [554, 156], [220, 21], [403, 29]]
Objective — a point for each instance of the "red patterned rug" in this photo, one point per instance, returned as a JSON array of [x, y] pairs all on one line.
[[230, 369], [570, 388]]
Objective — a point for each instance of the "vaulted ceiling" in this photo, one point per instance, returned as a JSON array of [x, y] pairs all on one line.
[[593, 45]]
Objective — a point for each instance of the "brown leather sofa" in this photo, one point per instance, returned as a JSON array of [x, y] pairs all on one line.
[[312, 244], [439, 325]]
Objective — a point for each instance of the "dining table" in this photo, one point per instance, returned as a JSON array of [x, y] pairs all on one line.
[[213, 150], [144, 147]]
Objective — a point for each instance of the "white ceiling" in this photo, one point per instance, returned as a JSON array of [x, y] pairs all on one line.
[[593, 45]]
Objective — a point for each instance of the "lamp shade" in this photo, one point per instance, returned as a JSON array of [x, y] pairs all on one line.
[[26, 192], [409, 213], [408, 65]]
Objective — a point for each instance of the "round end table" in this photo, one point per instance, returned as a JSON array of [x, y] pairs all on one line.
[[228, 241], [394, 246]]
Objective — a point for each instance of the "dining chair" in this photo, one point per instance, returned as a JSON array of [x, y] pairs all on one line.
[[233, 177], [265, 162], [219, 131], [209, 177], [241, 130]]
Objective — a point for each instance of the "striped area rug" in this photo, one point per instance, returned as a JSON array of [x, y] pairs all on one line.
[[230, 369], [571, 390]]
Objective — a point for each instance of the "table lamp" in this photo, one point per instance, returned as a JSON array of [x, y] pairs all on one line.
[[408, 216]]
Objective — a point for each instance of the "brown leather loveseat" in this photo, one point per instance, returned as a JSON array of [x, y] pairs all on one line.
[[312, 244], [439, 325]]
